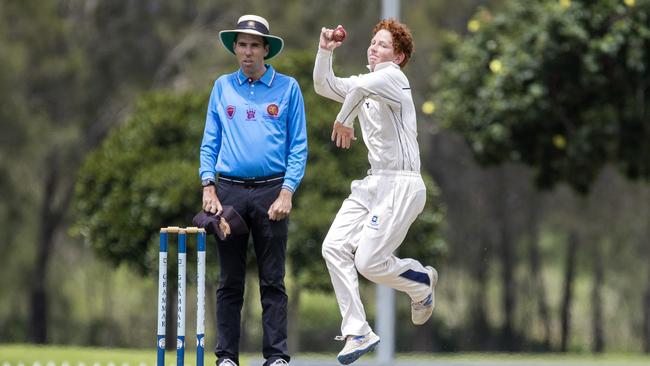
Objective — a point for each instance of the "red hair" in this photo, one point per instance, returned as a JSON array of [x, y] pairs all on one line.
[[402, 38]]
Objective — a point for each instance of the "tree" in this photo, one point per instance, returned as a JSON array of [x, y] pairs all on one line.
[[43, 87], [557, 85], [142, 178], [71, 69]]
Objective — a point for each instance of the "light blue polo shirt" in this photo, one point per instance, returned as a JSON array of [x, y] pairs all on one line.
[[255, 129]]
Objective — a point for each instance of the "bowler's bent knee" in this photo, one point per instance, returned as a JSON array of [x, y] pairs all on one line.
[[329, 251], [369, 268]]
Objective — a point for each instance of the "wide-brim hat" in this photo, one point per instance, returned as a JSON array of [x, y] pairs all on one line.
[[257, 26]]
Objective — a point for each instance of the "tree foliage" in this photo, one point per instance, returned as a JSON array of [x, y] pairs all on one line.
[[558, 85], [71, 67], [142, 178]]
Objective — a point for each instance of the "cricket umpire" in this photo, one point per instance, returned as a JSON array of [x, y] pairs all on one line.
[[253, 157]]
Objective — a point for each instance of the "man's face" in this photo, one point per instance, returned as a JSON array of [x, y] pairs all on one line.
[[381, 49], [250, 51]]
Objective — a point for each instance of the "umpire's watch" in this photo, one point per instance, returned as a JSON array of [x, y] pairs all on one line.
[[207, 183]]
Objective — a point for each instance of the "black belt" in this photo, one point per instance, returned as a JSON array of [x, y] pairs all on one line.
[[254, 181]]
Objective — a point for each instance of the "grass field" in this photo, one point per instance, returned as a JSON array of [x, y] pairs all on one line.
[[27, 355], [14, 355]]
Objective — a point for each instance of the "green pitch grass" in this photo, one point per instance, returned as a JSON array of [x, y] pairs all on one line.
[[15, 355], [27, 355]]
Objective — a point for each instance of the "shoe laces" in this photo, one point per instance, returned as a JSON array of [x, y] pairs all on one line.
[[279, 362], [227, 362], [421, 305], [349, 338]]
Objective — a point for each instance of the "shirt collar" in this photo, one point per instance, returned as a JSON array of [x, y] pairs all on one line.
[[266, 79], [382, 65]]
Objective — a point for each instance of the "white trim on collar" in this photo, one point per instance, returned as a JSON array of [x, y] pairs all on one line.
[[383, 65]]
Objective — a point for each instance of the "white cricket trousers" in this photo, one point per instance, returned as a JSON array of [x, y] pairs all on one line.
[[370, 225]]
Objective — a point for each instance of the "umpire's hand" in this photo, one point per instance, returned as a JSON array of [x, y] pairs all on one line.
[[281, 208], [211, 201]]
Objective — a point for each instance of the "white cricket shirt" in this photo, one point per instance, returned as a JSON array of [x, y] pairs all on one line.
[[382, 102]]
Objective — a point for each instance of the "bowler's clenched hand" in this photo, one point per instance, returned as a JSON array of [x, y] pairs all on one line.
[[326, 41]]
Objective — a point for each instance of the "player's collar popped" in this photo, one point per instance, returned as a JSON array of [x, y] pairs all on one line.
[[382, 65]]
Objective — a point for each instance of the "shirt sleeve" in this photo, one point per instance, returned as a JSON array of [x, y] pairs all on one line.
[[297, 140], [326, 83], [211, 143], [384, 85]]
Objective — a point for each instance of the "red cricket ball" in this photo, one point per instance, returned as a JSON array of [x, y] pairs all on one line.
[[339, 34]]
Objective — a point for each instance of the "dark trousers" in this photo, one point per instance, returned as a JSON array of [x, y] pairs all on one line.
[[270, 243]]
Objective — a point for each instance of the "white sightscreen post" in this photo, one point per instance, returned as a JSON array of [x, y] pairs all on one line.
[[385, 317], [390, 9]]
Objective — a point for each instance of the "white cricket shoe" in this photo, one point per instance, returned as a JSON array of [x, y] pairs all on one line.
[[421, 310], [357, 346], [227, 362], [279, 362]]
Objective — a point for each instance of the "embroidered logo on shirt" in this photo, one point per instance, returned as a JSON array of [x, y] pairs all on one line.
[[367, 104], [230, 111], [273, 110], [250, 114], [374, 222]]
